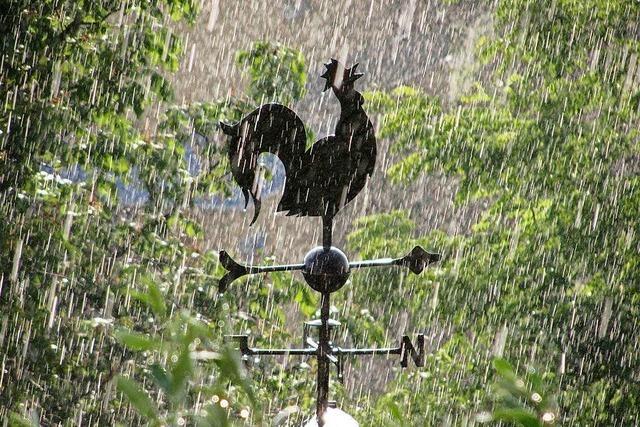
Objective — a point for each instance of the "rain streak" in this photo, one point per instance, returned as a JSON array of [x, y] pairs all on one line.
[[319, 213]]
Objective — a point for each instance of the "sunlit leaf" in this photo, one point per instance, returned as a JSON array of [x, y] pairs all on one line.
[[138, 398], [136, 341]]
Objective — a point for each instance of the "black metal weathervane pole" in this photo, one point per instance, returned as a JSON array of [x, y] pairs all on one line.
[[320, 181], [323, 337], [326, 269]]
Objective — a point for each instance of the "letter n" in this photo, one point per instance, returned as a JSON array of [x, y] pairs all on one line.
[[407, 349]]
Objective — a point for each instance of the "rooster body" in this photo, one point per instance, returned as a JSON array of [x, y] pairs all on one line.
[[322, 179]]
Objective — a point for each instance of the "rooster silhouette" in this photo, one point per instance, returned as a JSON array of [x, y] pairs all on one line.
[[322, 179]]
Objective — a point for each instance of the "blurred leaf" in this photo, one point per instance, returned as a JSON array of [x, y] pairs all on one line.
[[156, 300], [395, 412], [160, 377], [136, 341], [180, 374], [231, 369], [20, 421], [504, 369], [138, 398], [517, 415], [215, 417], [152, 297]]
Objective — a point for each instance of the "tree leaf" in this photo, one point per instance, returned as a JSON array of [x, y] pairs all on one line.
[[180, 374], [153, 297], [138, 398], [135, 341], [160, 377], [504, 369], [518, 415], [156, 300]]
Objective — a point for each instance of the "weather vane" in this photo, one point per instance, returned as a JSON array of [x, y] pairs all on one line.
[[319, 182]]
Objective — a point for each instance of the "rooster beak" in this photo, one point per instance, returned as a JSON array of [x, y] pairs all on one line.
[[327, 78], [355, 76]]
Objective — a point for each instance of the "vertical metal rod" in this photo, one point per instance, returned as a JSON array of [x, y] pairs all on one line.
[[327, 231], [323, 360]]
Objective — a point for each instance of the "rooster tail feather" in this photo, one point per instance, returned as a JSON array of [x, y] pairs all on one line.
[[257, 204], [270, 128], [245, 193]]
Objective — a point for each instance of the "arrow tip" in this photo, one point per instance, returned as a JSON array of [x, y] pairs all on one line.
[[418, 259], [234, 269]]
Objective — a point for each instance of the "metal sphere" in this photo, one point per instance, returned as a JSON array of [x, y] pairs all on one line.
[[326, 269], [334, 418]]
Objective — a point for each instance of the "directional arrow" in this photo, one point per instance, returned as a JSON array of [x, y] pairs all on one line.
[[237, 270], [416, 261], [406, 349]]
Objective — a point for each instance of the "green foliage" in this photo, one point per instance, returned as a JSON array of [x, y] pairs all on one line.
[[523, 401], [75, 75], [138, 398], [276, 72], [392, 290], [176, 358], [95, 291], [264, 308], [554, 257]]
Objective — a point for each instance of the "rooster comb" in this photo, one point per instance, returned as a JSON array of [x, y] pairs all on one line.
[[332, 68]]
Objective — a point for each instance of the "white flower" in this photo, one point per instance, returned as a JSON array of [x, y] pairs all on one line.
[[483, 417], [46, 175], [63, 181], [100, 321]]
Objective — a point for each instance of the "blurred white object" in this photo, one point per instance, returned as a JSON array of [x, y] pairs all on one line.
[[334, 418]]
